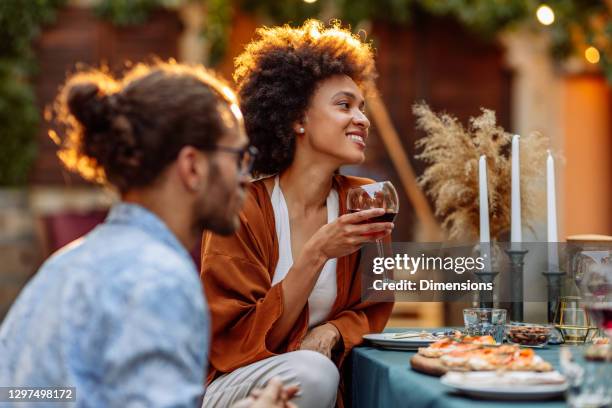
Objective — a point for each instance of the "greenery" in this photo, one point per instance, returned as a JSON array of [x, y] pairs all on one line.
[[127, 12], [217, 28], [578, 24], [19, 119], [19, 23]]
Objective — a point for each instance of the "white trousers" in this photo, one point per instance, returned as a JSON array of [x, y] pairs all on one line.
[[316, 375]]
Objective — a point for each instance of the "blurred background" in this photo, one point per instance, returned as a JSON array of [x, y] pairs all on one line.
[[540, 66]]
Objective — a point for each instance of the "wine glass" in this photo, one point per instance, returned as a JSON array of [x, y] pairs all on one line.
[[595, 284], [376, 195]]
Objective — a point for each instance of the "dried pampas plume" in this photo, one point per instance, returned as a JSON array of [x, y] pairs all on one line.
[[451, 178]]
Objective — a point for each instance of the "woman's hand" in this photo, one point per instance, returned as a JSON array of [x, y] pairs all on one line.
[[348, 233], [334, 240], [321, 339]]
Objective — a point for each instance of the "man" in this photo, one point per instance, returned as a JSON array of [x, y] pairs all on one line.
[[119, 314]]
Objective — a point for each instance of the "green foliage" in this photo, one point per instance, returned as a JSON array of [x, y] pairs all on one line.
[[19, 120], [289, 11], [217, 27], [484, 17], [127, 12], [20, 22], [573, 16]]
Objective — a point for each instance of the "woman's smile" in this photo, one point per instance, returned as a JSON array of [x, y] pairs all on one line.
[[358, 137]]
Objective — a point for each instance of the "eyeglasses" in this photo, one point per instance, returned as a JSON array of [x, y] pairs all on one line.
[[245, 156]]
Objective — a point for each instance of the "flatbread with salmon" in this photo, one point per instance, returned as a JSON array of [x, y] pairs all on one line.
[[476, 354], [448, 345], [507, 357]]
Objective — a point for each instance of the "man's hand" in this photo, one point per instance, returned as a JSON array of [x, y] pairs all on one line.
[[322, 339], [274, 395]]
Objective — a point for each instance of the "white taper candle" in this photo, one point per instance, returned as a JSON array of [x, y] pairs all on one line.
[[483, 192], [516, 235], [551, 213]]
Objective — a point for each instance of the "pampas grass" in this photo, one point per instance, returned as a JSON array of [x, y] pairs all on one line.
[[451, 178]]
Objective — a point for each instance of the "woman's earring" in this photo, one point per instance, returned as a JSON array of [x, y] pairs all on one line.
[[301, 130]]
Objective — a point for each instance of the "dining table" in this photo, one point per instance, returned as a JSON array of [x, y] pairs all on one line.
[[383, 378]]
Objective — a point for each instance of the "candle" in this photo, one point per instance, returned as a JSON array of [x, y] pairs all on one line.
[[516, 235], [551, 207], [483, 193]]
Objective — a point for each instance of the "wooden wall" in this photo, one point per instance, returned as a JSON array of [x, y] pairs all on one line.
[[440, 63], [78, 36]]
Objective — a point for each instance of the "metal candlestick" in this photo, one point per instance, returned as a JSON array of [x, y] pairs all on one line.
[[517, 261], [485, 297], [554, 280]]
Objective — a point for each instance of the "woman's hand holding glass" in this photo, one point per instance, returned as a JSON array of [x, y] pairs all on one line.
[[348, 233], [375, 195]]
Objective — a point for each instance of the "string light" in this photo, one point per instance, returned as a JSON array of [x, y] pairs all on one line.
[[592, 55], [545, 15], [310, 1]]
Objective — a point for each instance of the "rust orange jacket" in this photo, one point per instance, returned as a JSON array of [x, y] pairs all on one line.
[[237, 274]]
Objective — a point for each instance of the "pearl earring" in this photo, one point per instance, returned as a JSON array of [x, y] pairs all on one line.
[[301, 130]]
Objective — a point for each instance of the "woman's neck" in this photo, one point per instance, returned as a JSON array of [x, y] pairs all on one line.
[[306, 185]]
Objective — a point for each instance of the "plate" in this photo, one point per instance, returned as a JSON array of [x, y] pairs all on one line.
[[510, 386], [386, 340]]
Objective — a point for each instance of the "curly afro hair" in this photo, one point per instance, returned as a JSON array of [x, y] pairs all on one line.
[[277, 75]]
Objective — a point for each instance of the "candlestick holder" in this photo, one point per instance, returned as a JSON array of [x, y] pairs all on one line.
[[554, 281], [485, 297], [517, 261]]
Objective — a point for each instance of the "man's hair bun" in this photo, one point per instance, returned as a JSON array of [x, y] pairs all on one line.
[[88, 105]]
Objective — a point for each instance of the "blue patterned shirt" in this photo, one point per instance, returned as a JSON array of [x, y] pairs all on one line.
[[119, 314]]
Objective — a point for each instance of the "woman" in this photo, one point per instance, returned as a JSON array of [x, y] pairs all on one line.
[[295, 290]]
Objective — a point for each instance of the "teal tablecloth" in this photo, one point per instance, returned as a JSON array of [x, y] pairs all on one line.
[[383, 378]]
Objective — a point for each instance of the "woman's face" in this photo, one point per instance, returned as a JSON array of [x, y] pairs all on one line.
[[334, 123]]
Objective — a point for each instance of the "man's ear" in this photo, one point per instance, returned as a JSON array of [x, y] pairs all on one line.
[[192, 167]]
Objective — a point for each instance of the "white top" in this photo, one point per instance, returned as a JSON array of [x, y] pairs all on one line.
[[324, 293]]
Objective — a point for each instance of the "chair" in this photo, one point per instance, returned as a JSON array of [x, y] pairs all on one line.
[[60, 229]]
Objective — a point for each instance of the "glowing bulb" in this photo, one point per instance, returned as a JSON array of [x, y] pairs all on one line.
[[592, 55], [310, 1], [545, 15]]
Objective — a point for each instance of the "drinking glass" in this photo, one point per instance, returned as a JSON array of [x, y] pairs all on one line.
[[485, 322], [375, 195], [588, 381], [594, 279], [572, 320]]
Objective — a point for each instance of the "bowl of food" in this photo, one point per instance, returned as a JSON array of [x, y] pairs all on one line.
[[528, 334]]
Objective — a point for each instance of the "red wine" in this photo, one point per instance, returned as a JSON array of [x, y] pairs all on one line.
[[602, 315], [386, 217]]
